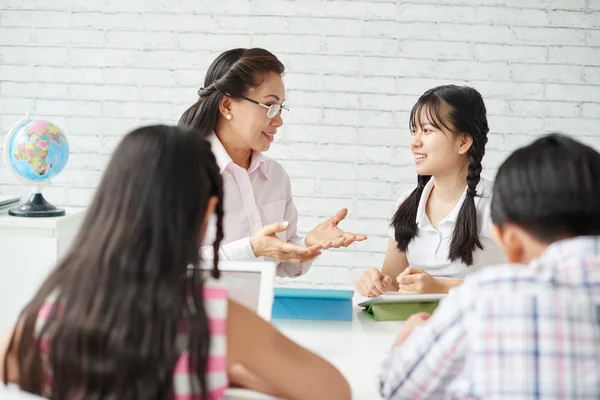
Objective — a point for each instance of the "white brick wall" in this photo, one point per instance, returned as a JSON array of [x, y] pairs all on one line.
[[354, 68]]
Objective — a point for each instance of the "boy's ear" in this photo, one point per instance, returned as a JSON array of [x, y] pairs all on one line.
[[496, 233], [508, 239]]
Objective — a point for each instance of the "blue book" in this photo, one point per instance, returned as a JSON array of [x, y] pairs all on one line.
[[322, 304]]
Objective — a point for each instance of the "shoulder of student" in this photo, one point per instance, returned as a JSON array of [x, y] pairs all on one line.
[[494, 277]]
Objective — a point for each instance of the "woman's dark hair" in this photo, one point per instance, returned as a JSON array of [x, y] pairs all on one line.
[[121, 292], [232, 73], [467, 115], [550, 188]]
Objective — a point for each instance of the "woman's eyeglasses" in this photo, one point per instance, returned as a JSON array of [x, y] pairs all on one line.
[[273, 109]]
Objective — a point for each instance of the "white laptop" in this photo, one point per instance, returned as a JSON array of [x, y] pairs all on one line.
[[250, 283]]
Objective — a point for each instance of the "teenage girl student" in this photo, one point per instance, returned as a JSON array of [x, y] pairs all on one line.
[[441, 230], [239, 110], [530, 327], [120, 318]]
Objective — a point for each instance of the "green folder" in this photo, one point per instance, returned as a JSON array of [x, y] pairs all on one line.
[[397, 307]]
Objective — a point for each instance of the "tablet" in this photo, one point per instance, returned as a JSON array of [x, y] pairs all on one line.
[[249, 283], [395, 297]]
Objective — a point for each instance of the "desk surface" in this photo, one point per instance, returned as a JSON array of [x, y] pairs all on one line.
[[354, 347]]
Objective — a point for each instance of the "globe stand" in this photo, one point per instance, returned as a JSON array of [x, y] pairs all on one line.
[[36, 207]]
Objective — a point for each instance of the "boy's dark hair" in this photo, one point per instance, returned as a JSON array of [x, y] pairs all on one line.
[[550, 188]]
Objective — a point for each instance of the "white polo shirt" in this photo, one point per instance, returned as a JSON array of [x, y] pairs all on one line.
[[429, 248]]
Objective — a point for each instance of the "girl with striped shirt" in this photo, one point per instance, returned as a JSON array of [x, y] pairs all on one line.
[[120, 317]]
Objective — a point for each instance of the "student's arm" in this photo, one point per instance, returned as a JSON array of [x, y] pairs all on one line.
[[394, 263], [274, 364], [430, 356], [10, 356], [239, 375]]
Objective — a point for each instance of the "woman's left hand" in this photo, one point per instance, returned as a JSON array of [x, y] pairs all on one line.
[[416, 281], [329, 235]]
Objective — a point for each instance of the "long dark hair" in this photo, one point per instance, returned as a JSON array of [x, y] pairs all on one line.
[[468, 116], [232, 73], [550, 188], [120, 292]]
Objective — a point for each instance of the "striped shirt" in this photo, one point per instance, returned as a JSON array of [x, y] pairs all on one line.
[[509, 332], [185, 381]]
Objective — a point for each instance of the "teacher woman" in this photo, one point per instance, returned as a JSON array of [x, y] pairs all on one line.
[[239, 111]]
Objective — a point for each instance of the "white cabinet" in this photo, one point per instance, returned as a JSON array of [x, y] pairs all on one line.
[[29, 249]]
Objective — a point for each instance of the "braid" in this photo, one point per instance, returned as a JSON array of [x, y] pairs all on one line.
[[404, 221], [217, 190], [219, 237], [474, 171], [465, 239]]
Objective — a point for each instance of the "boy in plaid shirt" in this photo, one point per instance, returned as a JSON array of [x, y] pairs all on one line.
[[529, 329]]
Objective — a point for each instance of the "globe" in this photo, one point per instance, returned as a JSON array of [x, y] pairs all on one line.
[[36, 151]]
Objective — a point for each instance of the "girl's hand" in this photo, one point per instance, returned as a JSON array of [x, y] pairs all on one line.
[[416, 281], [373, 283]]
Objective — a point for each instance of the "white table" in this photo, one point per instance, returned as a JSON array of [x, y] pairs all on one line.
[[29, 249], [354, 347]]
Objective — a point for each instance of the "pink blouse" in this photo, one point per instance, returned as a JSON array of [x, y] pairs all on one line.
[[256, 197]]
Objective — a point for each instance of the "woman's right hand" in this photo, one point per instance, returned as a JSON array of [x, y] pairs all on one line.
[[265, 243], [373, 283]]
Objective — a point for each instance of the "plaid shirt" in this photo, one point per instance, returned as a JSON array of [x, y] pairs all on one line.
[[509, 332]]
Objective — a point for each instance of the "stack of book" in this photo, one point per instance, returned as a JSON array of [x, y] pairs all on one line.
[[7, 202]]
